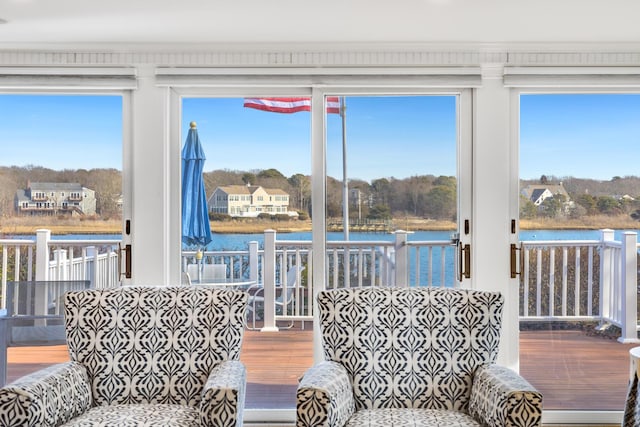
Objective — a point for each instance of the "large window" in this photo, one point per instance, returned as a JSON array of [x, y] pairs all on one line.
[[402, 162], [60, 151], [578, 176]]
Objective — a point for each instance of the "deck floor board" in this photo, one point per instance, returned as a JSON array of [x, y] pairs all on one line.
[[573, 370]]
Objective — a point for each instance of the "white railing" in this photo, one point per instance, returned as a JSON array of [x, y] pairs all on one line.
[[350, 264], [95, 261], [582, 280], [92, 260], [241, 266], [566, 280]]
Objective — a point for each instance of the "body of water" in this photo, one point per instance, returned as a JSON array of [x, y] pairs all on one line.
[[241, 240]]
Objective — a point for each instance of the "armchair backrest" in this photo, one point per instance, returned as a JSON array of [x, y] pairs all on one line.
[[410, 347], [153, 344]]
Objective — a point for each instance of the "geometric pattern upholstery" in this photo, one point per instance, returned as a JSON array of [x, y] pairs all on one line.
[[409, 356], [156, 356], [631, 415]]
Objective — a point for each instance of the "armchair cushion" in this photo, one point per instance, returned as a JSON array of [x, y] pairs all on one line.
[[48, 397], [325, 396], [415, 356], [140, 356], [147, 415], [400, 417], [410, 347], [501, 397], [153, 344], [223, 395]]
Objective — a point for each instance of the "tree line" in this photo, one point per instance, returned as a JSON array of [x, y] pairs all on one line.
[[587, 197], [425, 196]]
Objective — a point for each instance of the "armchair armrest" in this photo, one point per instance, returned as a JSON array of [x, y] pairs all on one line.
[[48, 397], [501, 397], [223, 395], [325, 396]]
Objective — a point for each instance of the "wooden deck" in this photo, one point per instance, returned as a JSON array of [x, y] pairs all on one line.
[[574, 371]]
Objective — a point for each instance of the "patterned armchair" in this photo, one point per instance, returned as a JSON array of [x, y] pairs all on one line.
[[152, 356], [413, 357]]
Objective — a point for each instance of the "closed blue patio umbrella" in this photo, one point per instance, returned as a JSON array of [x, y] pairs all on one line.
[[196, 231]]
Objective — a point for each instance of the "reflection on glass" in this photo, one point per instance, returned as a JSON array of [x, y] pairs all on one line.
[[577, 178]]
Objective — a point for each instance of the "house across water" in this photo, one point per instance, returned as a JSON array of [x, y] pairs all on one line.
[[55, 198], [249, 201]]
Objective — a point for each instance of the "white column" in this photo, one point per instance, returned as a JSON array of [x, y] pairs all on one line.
[[318, 208], [154, 248], [493, 198]]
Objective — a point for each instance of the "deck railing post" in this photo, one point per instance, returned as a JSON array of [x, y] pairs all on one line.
[[62, 263], [269, 280], [606, 269], [253, 261], [402, 259], [42, 254], [92, 254], [629, 291], [43, 237]]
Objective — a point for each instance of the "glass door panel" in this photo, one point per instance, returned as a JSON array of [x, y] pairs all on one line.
[[391, 165], [257, 176], [61, 197], [578, 176]]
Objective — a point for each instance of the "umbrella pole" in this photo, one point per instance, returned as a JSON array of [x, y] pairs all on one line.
[[199, 256]]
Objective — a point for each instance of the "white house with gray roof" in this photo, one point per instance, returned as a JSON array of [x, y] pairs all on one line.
[[537, 193], [55, 198], [249, 201]]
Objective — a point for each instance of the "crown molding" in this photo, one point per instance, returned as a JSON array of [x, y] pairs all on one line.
[[324, 55]]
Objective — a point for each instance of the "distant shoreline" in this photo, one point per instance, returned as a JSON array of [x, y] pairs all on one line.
[[28, 226]]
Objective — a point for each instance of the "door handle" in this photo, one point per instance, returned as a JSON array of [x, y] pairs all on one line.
[[465, 261], [516, 262], [127, 261]]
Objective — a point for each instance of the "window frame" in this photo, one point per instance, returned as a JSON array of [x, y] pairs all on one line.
[[545, 84]]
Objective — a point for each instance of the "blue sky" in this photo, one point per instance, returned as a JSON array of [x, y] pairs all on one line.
[[591, 136], [386, 136]]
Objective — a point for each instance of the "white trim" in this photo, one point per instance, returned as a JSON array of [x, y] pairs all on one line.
[[71, 78], [318, 211], [585, 417], [69, 71], [464, 172], [324, 54], [411, 77], [572, 77], [269, 417], [302, 71]]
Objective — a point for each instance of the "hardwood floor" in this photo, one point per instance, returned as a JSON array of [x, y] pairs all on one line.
[[574, 371]]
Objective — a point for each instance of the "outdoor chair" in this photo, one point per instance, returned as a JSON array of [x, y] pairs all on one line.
[[398, 357], [34, 315], [284, 295], [214, 273], [152, 356], [206, 273]]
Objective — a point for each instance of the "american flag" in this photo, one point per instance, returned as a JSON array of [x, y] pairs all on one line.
[[290, 105]]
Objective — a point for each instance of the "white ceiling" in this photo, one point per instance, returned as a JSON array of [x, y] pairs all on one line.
[[222, 22]]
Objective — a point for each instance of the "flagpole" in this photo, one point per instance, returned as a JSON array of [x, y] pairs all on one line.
[[345, 185]]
